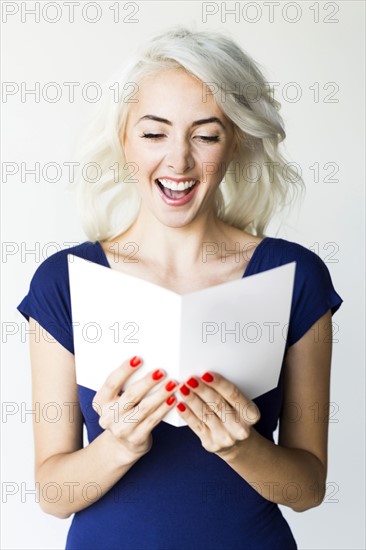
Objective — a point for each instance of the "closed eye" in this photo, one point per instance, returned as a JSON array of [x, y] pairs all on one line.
[[152, 136], [209, 138], [203, 138]]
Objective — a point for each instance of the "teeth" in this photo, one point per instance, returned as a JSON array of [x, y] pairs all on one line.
[[174, 186]]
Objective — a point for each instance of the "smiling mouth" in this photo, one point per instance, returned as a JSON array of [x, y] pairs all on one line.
[[174, 190]]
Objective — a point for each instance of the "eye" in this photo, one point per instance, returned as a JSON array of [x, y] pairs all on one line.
[[209, 138], [152, 136]]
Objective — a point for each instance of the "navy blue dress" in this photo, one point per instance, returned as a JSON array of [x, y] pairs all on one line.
[[179, 496]]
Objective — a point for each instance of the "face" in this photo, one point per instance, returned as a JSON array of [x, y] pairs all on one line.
[[181, 142]]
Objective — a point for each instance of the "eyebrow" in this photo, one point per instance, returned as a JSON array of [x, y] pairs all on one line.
[[195, 123]]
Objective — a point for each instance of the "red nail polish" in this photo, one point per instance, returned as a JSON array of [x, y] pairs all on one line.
[[192, 382], [184, 390], [181, 407], [170, 400], [170, 385], [207, 377], [135, 361], [156, 375]]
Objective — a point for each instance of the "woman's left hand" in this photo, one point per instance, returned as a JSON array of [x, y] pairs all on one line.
[[218, 413]]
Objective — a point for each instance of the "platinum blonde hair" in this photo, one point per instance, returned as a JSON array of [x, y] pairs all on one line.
[[258, 181]]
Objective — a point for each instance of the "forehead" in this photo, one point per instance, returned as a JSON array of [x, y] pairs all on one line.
[[172, 89]]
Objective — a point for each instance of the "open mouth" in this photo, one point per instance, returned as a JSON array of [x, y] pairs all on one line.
[[175, 191]]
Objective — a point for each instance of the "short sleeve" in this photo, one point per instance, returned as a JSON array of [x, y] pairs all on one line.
[[48, 299], [314, 294]]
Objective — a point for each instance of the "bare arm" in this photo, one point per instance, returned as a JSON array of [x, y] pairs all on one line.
[[292, 473], [69, 477]]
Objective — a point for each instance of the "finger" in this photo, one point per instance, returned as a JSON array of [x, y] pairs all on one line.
[[142, 389], [215, 436], [148, 404], [126, 412], [212, 403], [159, 408], [249, 411], [114, 382], [207, 412], [224, 422], [201, 429]]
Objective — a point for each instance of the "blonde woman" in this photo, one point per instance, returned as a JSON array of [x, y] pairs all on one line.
[[194, 144]]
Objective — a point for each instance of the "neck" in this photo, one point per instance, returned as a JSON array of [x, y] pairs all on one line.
[[174, 249]]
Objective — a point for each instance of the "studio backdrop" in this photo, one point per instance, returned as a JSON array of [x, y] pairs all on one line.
[[56, 55]]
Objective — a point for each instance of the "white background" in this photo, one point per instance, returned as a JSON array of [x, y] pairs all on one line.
[[330, 221]]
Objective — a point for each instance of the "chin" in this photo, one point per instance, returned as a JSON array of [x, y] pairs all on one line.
[[175, 221], [174, 224]]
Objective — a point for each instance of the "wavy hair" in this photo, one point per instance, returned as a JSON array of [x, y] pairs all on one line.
[[258, 182]]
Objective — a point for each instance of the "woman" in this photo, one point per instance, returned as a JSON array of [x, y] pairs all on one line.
[[194, 139]]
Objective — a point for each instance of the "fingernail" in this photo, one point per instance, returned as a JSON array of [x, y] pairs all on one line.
[[170, 385], [135, 361], [207, 377], [192, 382], [181, 407], [184, 390], [170, 400], [156, 375]]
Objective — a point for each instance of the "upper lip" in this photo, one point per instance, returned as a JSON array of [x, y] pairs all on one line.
[[177, 180]]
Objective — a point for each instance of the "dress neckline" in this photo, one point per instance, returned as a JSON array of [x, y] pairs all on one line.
[[249, 267]]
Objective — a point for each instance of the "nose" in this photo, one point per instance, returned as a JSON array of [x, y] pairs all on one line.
[[179, 155]]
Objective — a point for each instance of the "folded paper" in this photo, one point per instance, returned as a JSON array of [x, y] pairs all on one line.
[[237, 328]]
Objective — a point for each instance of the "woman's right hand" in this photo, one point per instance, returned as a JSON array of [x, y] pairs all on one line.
[[128, 415]]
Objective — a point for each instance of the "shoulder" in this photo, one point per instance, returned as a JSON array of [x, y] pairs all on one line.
[[313, 292], [283, 250], [48, 299], [55, 267], [309, 266], [276, 252], [311, 270], [51, 277]]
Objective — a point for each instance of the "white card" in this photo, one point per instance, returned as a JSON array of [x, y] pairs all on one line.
[[237, 328]]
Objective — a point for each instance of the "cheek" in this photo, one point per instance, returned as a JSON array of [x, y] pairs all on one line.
[[213, 158], [135, 153]]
